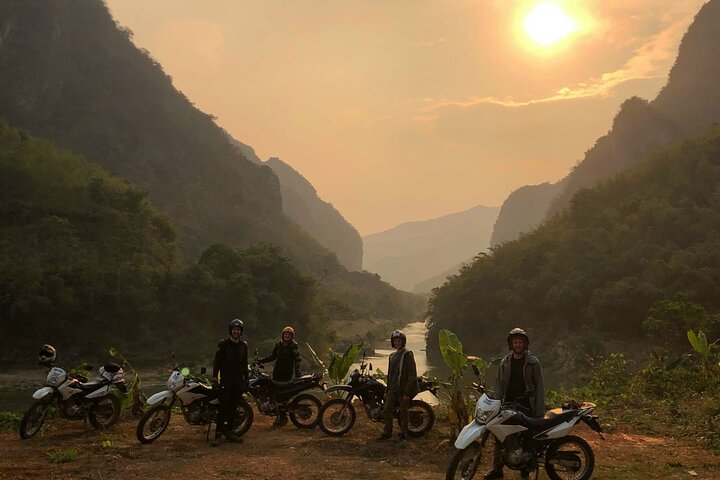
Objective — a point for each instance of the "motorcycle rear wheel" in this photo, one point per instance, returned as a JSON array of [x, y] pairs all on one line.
[[244, 418], [471, 462], [34, 418], [421, 418], [569, 458], [156, 420], [104, 412], [335, 418], [304, 411]]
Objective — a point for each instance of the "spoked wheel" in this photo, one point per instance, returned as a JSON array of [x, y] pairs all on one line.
[[304, 411], [569, 458], [472, 462], [337, 417], [153, 423], [105, 412], [34, 418], [243, 417], [421, 418]]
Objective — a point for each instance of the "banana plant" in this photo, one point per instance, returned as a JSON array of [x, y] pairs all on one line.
[[458, 362], [339, 364]]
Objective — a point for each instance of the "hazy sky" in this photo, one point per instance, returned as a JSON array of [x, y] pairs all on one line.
[[401, 110]]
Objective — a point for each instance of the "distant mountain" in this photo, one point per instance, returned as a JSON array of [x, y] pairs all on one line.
[[522, 211], [415, 251], [319, 218], [688, 103], [70, 74]]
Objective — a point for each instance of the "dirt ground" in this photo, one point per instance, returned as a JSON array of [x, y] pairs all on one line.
[[288, 453]]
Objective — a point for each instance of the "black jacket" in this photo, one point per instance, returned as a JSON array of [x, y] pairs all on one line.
[[231, 362], [287, 356]]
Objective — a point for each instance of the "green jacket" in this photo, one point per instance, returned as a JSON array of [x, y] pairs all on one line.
[[402, 373], [533, 376]]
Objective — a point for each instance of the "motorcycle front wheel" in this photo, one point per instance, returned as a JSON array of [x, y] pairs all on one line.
[[421, 418], [104, 412], [336, 418], [244, 418], [34, 418], [471, 462], [569, 458], [153, 423], [304, 411]]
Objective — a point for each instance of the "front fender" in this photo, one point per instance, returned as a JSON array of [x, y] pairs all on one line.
[[42, 392], [469, 434], [338, 388], [160, 397]]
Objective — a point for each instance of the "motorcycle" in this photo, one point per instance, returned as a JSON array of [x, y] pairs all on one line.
[[337, 416], [198, 401], [278, 398], [526, 443], [76, 398]]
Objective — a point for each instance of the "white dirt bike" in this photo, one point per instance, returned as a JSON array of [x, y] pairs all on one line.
[[526, 443], [199, 404], [75, 398]]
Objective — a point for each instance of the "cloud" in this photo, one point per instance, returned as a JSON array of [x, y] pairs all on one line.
[[650, 60]]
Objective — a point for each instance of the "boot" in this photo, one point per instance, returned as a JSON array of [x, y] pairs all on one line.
[[493, 475], [217, 441]]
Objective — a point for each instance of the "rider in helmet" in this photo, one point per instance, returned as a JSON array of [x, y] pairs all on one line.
[[286, 354], [520, 375], [230, 373], [47, 356], [402, 385]]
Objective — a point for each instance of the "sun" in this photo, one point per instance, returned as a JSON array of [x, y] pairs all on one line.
[[547, 24]]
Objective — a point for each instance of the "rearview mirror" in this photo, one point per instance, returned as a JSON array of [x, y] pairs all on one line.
[[475, 370], [203, 370], [371, 366]]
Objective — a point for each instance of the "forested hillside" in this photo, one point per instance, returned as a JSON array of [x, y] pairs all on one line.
[[87, 262], [70, 74], [688, 103], [638, 255]]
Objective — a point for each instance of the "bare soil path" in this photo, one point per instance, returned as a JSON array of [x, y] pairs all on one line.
[[288, 453]]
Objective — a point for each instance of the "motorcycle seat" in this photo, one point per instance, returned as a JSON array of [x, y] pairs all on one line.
[[540, 424]]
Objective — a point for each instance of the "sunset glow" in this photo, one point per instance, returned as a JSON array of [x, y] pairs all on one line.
[[548, 23]]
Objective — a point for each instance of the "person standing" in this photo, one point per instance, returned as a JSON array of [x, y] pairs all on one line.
[[286, 354], [402, 385], [520, 378], [230, 374]]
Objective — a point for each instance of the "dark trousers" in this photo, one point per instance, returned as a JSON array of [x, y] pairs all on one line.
[[230, 397], [392, 399]]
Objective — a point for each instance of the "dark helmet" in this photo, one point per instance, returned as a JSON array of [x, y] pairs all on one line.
[[398, 334], [47, 355], [518, 332], [288, 329], [236, 322]]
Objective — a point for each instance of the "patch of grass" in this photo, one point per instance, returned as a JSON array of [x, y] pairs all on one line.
[[10, 421], [63, 456]]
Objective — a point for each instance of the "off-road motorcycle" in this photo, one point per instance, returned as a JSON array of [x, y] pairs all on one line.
[[198, 403], [526, 443], [76, 398], [278, 399], [337, 416]]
